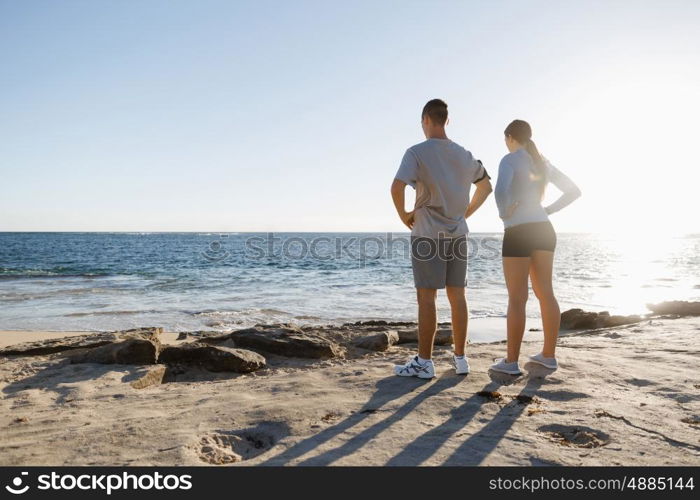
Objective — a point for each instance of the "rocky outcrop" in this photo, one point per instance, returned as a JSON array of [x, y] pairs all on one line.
[[578, 319], [284, 342], [214, 338], [152, 333], [379, 322], [379, 342], [148, 376], [51, 346], [442, 337], [677, 307], [213, 358], [132, 351]]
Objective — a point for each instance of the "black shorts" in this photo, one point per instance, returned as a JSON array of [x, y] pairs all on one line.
[[523, 239]]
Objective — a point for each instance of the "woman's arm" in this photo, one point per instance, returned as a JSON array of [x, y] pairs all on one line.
[[570, 191], [503, 192]]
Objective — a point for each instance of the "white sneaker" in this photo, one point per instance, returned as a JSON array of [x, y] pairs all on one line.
[[414, 368], [550, 363], [461, 365], [510, 368]]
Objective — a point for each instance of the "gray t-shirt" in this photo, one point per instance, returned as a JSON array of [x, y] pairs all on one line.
[[442, 172]]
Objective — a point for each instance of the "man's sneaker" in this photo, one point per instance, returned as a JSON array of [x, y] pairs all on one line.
[[510, 368], [414, 368], [550, 363], [461, 365]]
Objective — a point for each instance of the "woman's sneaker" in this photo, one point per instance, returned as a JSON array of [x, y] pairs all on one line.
[[502, 366], [461, 365], [414, 368], [550, 363]]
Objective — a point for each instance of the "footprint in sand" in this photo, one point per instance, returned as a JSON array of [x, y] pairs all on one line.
[[227, 447], [575, 435]]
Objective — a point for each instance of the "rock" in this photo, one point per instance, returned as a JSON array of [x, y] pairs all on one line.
[[380, 322], [407, 336], [133, 351], [51, 346], [286, 342], [153, 375], [202, 334], [213, 358], [616, 320], [214, 338], [182, 336], [442, 337], [151, 333], [275, 326], [679, 307], [578, 319], [373, 328], [379, 342]]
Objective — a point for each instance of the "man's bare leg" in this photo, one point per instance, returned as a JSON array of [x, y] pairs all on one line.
[[427, 321], [460, 315]]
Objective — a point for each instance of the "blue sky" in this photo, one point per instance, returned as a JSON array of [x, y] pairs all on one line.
[[293, 116]]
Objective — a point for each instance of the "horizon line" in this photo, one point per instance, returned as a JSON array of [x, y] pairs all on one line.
[[608, 233]]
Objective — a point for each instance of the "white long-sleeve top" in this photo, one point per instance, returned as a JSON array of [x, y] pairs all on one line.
[[517, 182]]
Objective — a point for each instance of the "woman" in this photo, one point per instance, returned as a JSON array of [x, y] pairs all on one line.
[[529, 240]]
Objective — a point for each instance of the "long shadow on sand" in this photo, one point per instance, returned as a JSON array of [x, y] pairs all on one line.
[[388, 389], [477, 446]]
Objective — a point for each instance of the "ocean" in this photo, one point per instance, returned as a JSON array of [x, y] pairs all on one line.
[[225, 281]]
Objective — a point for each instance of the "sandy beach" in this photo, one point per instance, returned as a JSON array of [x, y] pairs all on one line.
[[628, 395]]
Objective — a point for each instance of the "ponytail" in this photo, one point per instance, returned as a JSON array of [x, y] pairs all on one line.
[[540, 167], [520, 131]]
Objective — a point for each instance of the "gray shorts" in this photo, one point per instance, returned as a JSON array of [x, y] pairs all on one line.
[[438, 263]]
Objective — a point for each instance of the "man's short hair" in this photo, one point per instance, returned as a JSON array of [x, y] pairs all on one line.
[[436, 110]]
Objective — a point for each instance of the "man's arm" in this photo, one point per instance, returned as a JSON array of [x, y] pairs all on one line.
[[398, 194], [483, 190]]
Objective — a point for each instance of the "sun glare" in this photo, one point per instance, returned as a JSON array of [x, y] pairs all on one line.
[[633, 135]]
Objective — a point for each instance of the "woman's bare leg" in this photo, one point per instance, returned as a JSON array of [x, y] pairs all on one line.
[[516, 270], [541, 276]]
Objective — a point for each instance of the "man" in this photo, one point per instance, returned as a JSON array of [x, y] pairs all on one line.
[[442, 172]]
